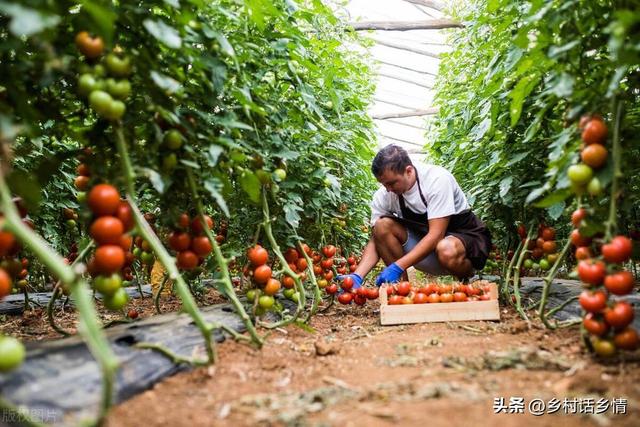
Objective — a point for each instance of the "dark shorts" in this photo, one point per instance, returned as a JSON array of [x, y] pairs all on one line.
[[467, 227]]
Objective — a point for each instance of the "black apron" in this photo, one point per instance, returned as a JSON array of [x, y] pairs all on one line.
[[466, 226]]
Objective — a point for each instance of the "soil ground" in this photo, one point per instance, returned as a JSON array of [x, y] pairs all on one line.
[[350, 371]]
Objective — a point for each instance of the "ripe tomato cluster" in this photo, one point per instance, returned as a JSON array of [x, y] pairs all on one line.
[[112, 219], [358, 296], [408, 293], [13, 268], [105, 85], [261, 274], [543, 249], [189, 241], [607, 320], [593, 155]]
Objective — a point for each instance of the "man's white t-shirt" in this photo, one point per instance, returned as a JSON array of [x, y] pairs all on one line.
[[440, 189]]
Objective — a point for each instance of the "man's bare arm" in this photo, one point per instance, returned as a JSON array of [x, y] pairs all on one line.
[[369, 259]]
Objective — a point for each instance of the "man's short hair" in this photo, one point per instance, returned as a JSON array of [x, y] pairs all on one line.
[[392, 157]]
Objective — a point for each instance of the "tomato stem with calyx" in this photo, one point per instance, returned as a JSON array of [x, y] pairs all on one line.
[[516, 276], [617, 171], [296, 278], [168, 262], [57, 291], [222, 263], [89, 327], [548, 280]]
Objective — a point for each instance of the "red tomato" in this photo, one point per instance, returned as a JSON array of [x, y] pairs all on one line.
[[103, 199], [373, 293], [331, 289], [403, 288], [420, 298], [446, 297], [395, 300], [201, 245], [485, 297], [197, 227], [261, 274], [360, 299], [522, 231], [187, 260], [577, 216], [459, 297], [326, 263], [593, 302], [108, 259], [329, 251], [345, 298], [620, 315], [618, 250], [627, 339], [549, 246], [433, 298], [179, 241], [125, 214], [578, 240], [620, 283], [595, 131], [594, 325], [291, 255], [445, 289], [302, 264], [347, 283], [583, 252], [591, 272], [548, 233], [258, 255]]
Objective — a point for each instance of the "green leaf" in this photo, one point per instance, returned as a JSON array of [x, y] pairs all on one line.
[[26, 21], [556, 210], [505, 186], [26, 186], [165, 82], [553, 198], [103, 17], [156, 180], [214, 187], [164, 33], [519, 94], [251, 185], [291, 214]]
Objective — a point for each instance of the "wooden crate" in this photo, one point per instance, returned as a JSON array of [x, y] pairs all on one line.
[[440, 312]]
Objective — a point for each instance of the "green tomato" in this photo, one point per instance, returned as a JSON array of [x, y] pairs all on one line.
[[100, 101], [263, 176], [86, 84], [288, 293], [295, 297], [147, 257], [544, 265], [119, 67], [535, 266], [173, 139], [120, 89], [594, 187], [12, 353], [266, 301], [71, 223], [116, 301], [116, 110], [169, 162], [528, 263], [137, 252], [99, 70], [580, 174], [279, 175], [327, 182], [107, 285], [81, 196], [252, 294]]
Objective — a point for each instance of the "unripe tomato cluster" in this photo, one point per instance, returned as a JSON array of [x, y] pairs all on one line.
[[190, 242], [408, 293], [13, 269], [606, 319], [105, 85], [494, 260], [112, 219], [543, 249], [593, 156]]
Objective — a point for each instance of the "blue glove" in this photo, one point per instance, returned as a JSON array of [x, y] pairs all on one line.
[[391, 274], [357, 280]]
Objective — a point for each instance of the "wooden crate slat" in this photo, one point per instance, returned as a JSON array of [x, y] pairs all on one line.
[[440, 312]]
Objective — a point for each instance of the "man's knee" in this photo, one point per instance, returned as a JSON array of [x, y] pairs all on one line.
[[450, 251], [385, 227]]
